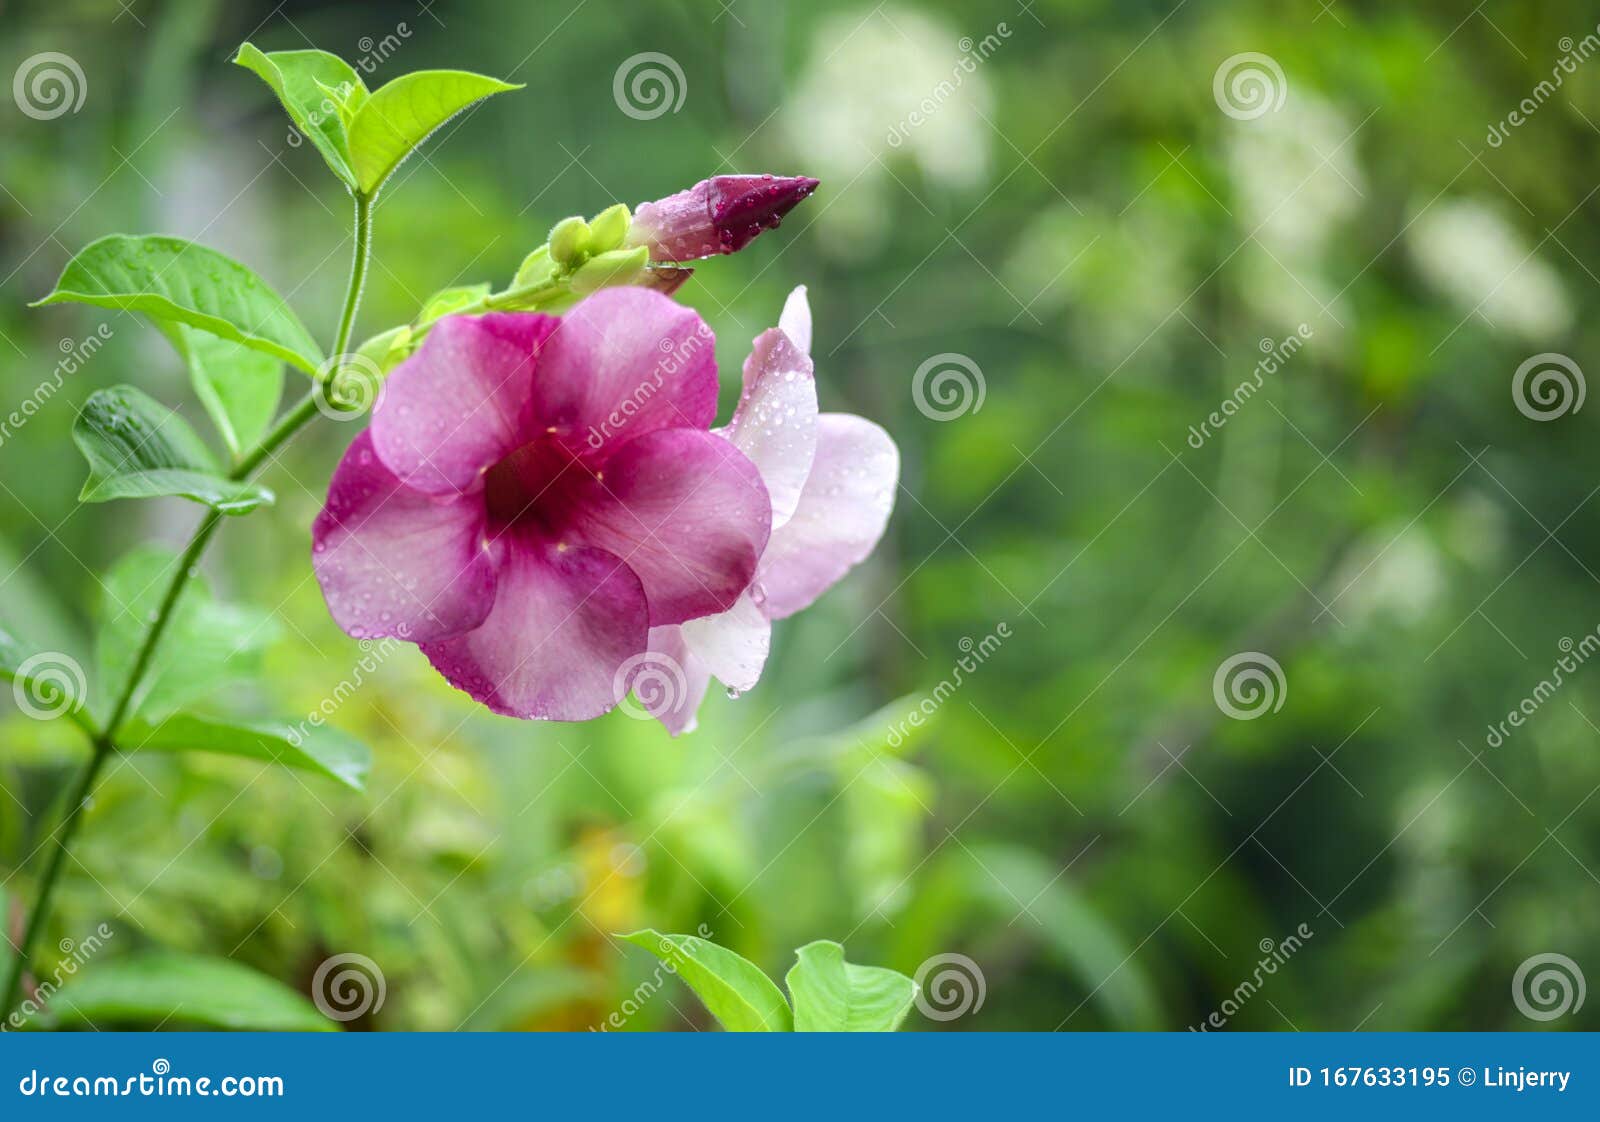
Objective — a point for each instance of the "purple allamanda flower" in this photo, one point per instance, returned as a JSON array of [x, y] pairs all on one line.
[[534, 494], [831, 478]]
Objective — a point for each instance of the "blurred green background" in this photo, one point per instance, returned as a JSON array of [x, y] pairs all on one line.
[[1080, 220]]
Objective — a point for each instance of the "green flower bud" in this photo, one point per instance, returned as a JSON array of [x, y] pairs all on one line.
[[569, 242], [608, 228], [619, 266], [535, 267]]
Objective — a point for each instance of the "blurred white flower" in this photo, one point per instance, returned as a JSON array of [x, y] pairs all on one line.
[[1471, 254], [890, 85]]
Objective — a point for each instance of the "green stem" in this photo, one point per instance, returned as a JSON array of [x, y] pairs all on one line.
[[104, 745]]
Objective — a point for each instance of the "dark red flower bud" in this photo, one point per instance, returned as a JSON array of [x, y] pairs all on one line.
[[722, 214]]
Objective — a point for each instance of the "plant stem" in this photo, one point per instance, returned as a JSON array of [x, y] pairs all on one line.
[[104, 744]]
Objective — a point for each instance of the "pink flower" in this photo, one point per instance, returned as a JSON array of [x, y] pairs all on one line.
[[722, 214], [534, 494], [831, 478]]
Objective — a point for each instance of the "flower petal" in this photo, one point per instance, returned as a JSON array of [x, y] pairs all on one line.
[[453, 408], [679, 708], [775, 424], [624, 362], [841, 516], [394, 561], [796, 319], [686, 511], [732, 645], [565, 619]]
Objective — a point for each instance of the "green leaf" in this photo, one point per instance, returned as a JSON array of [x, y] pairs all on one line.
[[239, 387], [312, 86], [53, 681], [832, 995], [205, 645], [400, 116], [162, 987], [137, 448], [310, 748], [448, 301], [734, 990], [173, 279]]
